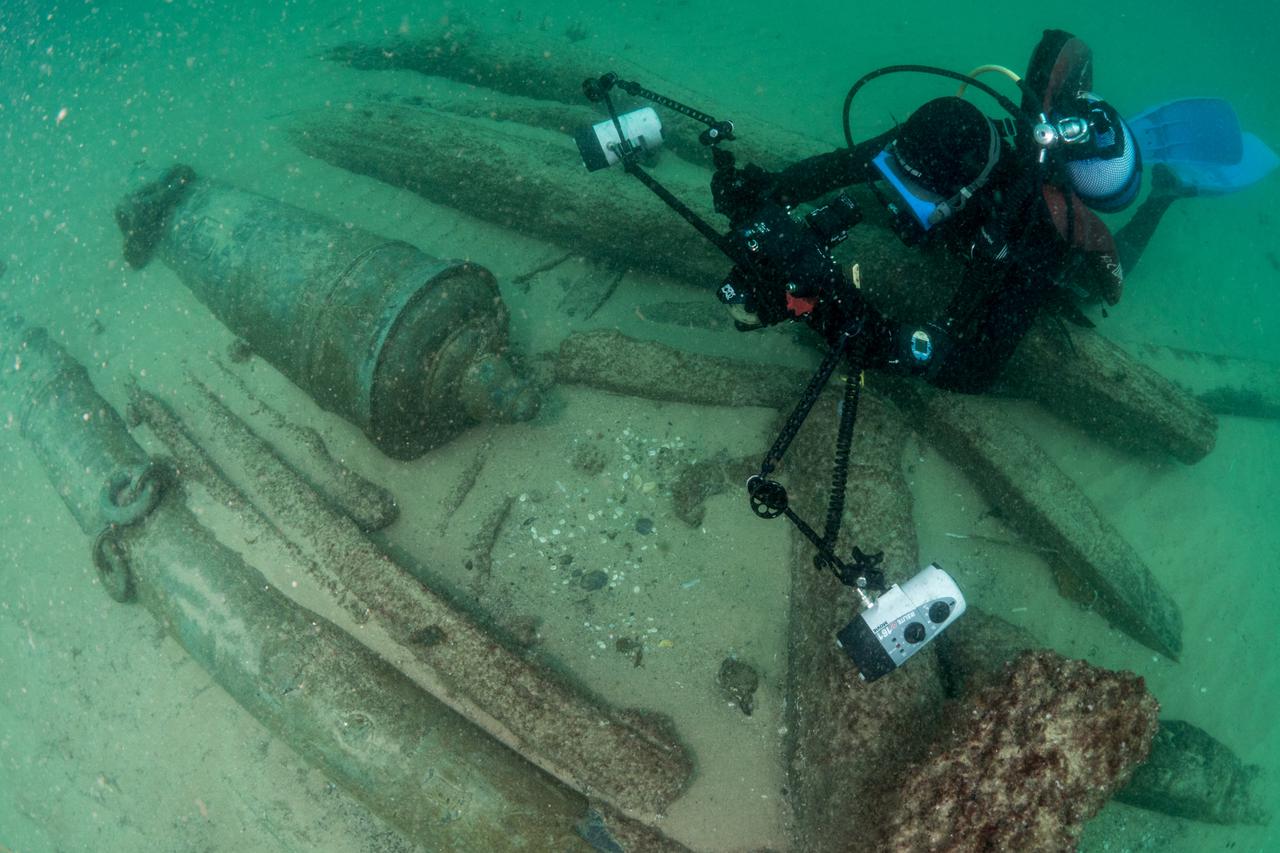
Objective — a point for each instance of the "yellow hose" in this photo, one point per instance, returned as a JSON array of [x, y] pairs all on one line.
[[983, 69]]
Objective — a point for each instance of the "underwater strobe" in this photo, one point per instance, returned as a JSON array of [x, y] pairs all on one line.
[[600, 144], [902, 622]]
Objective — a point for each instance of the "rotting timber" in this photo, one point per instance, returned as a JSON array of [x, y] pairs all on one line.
[[366, 503], [632, 763], [520, 177], [531, 66], [1039, 500], [1226, 385], [1092, 562], [405, 346], [837, 757], [530, 180], [442, 782]]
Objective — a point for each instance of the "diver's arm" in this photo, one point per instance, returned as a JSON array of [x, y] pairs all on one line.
[[984, 341], [823, 173], [1005, 285]]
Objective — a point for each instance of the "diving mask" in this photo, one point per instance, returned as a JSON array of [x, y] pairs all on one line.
[[914, 208]]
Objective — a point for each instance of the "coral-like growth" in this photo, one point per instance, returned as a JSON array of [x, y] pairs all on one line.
[[1033, 756]]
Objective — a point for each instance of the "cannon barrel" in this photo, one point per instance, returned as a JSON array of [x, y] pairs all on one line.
[[440, 780], [404, 345]]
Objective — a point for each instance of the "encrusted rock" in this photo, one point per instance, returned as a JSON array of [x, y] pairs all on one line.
[[1030, 759], [1188, 774]]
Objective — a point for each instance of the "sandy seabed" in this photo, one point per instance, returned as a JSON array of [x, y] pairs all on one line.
[[111, 739]]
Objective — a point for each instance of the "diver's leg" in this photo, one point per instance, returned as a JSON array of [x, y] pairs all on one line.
[[1132, 239]]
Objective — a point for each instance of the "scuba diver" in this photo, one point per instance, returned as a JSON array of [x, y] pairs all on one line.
[[1014, 200], [1013, 197]]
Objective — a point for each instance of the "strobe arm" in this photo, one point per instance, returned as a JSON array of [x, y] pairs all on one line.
[[597, 89]]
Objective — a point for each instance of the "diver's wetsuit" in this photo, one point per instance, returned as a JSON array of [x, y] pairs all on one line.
[[1014, 260]]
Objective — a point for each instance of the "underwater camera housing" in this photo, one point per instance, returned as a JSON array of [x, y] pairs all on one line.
[[783, 261], [904, 620]]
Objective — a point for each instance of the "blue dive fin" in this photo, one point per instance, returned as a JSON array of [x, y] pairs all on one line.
[[1200, 140], [1205, 130], [1256, 162]]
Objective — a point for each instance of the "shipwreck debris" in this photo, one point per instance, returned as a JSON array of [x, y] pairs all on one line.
[[1092, 561], [549, 72], [844, 737], [518, 177], [484, 165], [413, 760], [1188, 774], [1191, 774], [553, 723], [369, 505], [1227, 385]]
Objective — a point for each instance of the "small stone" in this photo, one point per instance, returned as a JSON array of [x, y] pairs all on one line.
[[738, 682], [593, 580], [432, 635], [644, 526], [239, 351]]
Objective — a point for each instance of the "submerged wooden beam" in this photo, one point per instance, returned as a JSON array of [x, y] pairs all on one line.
[[1093, 562], [1090, 381], [520, 177], [635, 765], [534, 65], [366, 503], [846, 739], [1226, 385], [612, 361]]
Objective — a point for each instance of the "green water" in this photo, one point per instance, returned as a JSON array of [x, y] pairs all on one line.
[[112, 740]]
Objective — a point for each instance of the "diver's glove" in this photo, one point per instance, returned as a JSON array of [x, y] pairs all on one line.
[[738, 193]]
